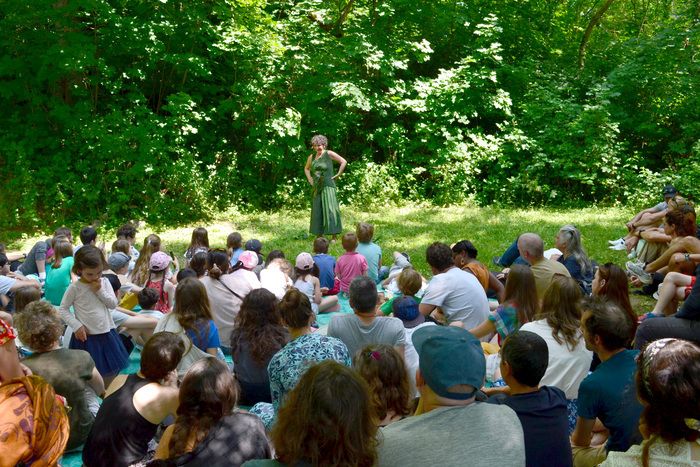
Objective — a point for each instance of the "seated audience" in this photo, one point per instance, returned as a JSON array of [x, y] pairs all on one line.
[[371, 251], [258, 335], [574, 258], [275, 277], [650, 217], [198, 264], [308, 283], [325, 263], [531, 249], [209, 430], [559, 324], [464, 255], [541, 409], [255, 246], [384, 370], [610, 282], [351, 264], [406, 309], [675, 287], [71, 372], [9, 285], [339, 427], [685, 324], [34, 427], [191, 321], [609, 393], [458, 294], [304, 349], [35, 261], [234, 247], [199, 243], [226, 293], [519, 307], [135, 405], [58, 273], [364, 327], [668, 384], [452, 369], [159, 266]]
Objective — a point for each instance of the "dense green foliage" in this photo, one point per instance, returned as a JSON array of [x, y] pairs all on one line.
[[168, 110]]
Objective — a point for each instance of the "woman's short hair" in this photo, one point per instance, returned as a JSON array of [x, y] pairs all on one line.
[[319, 140], [161, 355], [295, 309], [668, 384], [338, 426], [384, 370], [409, 281], [39, 326]]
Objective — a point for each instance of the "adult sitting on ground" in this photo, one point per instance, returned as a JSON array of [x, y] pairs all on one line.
[[668, 382], [609, 393], [338, 426], [685, 324], [208, 429], [304, 349], [574, 257], [35, 262], [457, 293], [452, 368], [33, 422], [531, 248], [364, 327], [541, 409], [71, 372], [464, 254], [9, 285], [559, 324], [135, 405], [650, 217], [680, 227]]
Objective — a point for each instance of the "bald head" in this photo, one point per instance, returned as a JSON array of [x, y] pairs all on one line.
[[531, 247]]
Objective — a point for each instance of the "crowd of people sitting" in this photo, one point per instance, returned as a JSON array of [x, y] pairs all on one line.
[[246, 359]]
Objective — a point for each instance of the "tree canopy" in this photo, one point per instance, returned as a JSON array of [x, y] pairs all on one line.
[[167, 110]]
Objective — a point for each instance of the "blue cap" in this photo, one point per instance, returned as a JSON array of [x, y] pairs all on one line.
[[406, 309], [450, 356]]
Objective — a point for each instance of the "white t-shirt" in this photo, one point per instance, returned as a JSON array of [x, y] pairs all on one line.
[[5, 284], [460, 296], [411, 356], [224, 304], [566, 368]]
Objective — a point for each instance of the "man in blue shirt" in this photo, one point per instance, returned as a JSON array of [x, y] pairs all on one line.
[[610, 392]]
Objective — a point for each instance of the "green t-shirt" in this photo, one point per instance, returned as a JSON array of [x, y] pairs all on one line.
[[387, 307], [57, 281]]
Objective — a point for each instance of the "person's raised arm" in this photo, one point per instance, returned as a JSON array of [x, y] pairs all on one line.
[[307, 170], [340, 160]]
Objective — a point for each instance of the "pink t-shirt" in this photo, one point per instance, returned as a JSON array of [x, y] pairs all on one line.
[[348, 267]]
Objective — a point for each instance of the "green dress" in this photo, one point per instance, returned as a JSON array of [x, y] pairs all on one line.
[[325, 212]]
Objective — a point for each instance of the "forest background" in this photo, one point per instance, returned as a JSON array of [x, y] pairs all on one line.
[[170, 111]]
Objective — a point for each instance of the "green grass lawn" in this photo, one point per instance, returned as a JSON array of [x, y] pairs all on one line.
[[410, 229]]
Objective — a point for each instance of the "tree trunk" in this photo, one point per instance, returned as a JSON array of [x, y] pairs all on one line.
[[587, 34]]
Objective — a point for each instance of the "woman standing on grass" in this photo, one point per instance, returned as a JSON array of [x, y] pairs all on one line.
[[325, 212]]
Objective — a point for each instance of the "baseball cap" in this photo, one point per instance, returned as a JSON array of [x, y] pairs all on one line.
[[253, 245], [449, 356], [304, 262], [249, 259], [118, 260], [670, 190], [159, 261], [406, 309]]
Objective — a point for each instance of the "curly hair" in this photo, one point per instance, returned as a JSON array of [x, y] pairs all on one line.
[[39, 326], [192, 306], [338, 426], [668, 382], [683, 220], [560, 307], [208, 393], [319, 140], [439, 256], [259, 322], [385, 372]]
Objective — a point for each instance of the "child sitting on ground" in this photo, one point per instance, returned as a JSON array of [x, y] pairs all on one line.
[[541, 409], [326, 266], [409, 284], [234, 247], [159, 264], [307, 282], [371, 251], [401, 262], [351, 264], [198, 243]]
